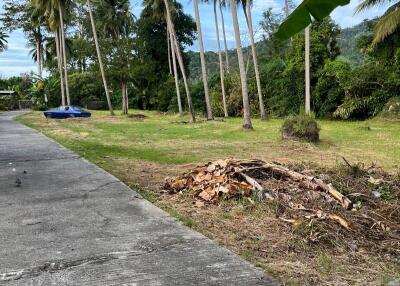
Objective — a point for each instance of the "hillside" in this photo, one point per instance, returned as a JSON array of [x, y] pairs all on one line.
[[212, 60], [347, 42]]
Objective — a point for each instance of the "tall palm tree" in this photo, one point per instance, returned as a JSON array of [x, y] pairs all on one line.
[[59, 64], [50, 10], [202, 60], [3, 41], [388, 24], [61, 11], [221, 65], [286, 8], [115, 20], [176, 75], [242, 69], [96, 42], [307, 69], [169, 52], [171, 28], [222, 3], [247, 9]]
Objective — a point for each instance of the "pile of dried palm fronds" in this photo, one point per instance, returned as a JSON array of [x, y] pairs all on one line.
[[300, 198]]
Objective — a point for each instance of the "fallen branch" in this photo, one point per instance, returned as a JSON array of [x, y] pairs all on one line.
[[310, 182]]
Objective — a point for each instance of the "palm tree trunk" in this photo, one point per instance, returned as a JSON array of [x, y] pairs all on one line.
[[124, 95], [58, 53], [99, 58], [126, 98], [224, 35], [307, 69], [169, 53], [202, 60], [253, 50], [38, 58], [286, 8], [64, 53], [176, 77], [248, 61], [171, 27], [221, 66], [242, 69]]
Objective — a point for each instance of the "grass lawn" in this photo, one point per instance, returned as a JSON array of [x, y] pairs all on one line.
[[142, 152]]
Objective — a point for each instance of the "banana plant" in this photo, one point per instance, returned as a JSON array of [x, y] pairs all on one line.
[[302, 16]]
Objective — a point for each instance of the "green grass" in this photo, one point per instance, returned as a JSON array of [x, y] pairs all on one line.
[[143, 152], [168, 139]]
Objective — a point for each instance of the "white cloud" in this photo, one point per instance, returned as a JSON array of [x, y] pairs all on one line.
[[262, 5]]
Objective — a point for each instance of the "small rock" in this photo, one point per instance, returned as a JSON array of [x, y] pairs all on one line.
[[25, 172], [18, 182]]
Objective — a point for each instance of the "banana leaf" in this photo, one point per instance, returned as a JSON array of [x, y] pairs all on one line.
[[300, 18]]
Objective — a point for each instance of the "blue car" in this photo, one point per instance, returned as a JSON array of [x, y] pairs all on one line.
[[66, 112]]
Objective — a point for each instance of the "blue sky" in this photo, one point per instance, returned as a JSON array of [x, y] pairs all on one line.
[[16, 59]]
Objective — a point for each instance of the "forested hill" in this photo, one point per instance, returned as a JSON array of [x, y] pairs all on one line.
[[347, 41], [213, 63]]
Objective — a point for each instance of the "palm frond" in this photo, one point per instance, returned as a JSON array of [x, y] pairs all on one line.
[[387, 25], [367, 4]]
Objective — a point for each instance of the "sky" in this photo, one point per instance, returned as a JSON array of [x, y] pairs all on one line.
[[16, 59]]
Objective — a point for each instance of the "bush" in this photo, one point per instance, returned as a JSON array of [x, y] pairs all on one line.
[[392, 109], [303, 127]]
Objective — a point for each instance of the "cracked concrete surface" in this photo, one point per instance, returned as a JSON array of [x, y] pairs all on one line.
[[71, 223]]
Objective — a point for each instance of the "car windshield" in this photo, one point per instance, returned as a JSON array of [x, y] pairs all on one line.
[[77, 108]]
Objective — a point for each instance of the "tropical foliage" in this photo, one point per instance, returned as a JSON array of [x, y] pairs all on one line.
[[142, 61]]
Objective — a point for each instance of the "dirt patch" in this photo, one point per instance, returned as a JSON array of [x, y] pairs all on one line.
[[145, 174], [296, 245]]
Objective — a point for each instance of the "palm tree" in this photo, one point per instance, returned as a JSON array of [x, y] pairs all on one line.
[[50, 10], [388, 24], [202, 60], [61, 11], [176, 75], [171, 29], [58, 54], [3, 41], [242, 69], [115, 20], [96, 42], [169, 52], [222, 3], [307, 69], [221, 65], [247, 9], [35, 40], [286, 8]]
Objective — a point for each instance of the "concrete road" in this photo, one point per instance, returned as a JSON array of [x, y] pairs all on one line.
[[71, 223]]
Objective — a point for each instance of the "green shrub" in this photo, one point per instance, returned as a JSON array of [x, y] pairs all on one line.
[[303, 127]]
